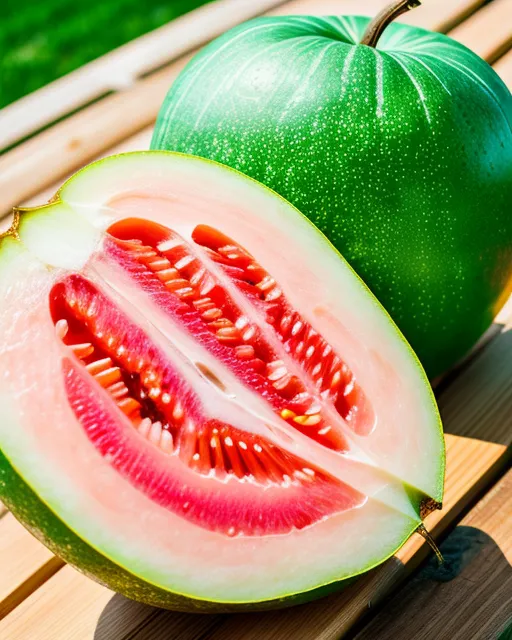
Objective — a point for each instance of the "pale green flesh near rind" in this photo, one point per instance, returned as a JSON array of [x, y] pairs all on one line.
[[123, 556], [52, 532], [41, 232], [39, 474]]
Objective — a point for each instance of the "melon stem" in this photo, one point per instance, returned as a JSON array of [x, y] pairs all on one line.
[[376, 27], [430, 540]]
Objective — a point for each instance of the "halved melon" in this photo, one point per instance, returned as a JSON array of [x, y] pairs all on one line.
[[201, 405]]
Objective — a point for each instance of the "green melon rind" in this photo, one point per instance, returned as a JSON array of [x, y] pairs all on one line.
[[25, 505]]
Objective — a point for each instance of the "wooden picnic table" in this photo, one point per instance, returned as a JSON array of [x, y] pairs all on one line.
[[110, 105]]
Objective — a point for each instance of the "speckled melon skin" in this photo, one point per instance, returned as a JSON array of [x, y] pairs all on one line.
[[401, 155]]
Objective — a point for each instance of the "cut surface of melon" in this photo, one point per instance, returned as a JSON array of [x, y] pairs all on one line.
[[196, 384]]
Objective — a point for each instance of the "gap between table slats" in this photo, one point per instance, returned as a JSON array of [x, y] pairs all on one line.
[[38, 162]]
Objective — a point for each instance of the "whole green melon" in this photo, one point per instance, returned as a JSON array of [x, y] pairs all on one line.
[[401, 153]]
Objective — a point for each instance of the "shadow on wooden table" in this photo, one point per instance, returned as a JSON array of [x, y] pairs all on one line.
[[475, 573], [470, 554], [474, 569], [124, 619], [488, 368]]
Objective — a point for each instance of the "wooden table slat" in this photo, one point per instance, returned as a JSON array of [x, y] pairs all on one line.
[[472, 463], [25, 564], [56, 152], [504, 68], [475, 584], [61, 609], [489, 31], [69, 606], [121, 67]]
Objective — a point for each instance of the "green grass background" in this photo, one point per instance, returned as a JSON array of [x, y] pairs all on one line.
[[41, 40]]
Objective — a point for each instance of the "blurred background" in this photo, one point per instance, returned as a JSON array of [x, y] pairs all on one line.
[[41, 40], [84, 78]]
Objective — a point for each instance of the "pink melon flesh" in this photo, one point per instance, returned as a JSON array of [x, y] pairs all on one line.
[[265, 489]]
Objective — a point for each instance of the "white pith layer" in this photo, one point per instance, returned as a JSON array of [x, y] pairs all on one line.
[[118, 520]]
